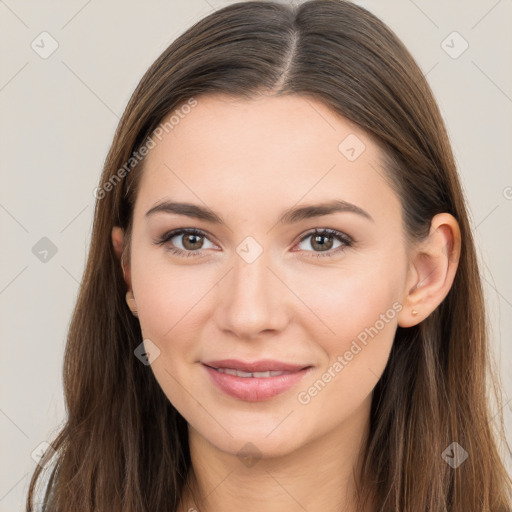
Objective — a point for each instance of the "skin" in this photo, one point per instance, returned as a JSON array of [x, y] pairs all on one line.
[[249, 161]]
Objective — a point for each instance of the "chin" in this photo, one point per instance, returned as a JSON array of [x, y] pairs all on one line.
[[250, 440]]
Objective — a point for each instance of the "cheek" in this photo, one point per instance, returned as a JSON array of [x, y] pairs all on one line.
[[167, 294], [347, 300], [354, 325], [170, 299], [355, 357]]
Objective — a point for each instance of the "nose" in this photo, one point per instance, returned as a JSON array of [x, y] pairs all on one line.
[[252, 299]]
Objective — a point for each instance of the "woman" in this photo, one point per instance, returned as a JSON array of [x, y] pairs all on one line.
[[281, 308]]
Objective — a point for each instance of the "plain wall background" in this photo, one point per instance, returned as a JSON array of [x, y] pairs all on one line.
[[58, 118]]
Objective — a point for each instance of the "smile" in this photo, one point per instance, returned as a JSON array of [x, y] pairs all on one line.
[[254, 382], [258, 375]]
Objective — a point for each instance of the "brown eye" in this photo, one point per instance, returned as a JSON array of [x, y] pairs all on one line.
[[191, 241], [323, 241], [185, 242]]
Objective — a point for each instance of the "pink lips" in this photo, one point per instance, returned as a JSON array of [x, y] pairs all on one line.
[[270, 377]]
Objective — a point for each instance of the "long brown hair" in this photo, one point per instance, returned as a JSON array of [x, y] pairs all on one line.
[[124, 446]]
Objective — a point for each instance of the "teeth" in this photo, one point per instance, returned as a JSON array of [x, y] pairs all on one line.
[[259, 375], [229, 371], [243, 374]]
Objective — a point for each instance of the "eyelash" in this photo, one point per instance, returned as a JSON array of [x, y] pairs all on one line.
[[342, 237]]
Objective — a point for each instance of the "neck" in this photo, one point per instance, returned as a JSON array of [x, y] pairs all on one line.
[[319, 476]]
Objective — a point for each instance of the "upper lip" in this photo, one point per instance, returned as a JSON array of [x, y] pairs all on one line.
[[256, 366]]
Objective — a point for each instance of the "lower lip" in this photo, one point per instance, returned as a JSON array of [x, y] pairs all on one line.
[[255, 389]]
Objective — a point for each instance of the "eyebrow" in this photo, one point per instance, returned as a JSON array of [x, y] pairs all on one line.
[[290, 216]]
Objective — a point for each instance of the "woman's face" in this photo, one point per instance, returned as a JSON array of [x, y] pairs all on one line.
[[255, 288]]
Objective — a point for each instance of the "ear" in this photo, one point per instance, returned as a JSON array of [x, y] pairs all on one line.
[[118, 242], [432, 269]]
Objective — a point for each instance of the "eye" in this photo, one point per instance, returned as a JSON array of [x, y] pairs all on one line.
[[323, 240], [190, 239], [192, 242]]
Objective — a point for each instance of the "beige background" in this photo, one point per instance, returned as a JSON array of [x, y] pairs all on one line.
[[58, 118]]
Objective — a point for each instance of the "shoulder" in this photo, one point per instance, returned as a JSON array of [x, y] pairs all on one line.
[[44, 485]]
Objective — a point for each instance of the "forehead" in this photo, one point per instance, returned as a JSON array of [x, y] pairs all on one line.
[[278, 126], [263, 151]]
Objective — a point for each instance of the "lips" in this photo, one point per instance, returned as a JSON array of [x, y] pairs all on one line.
[[258, 375], [254, 381], [264, 365]]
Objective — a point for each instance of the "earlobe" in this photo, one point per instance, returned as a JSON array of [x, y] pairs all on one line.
[[130, 300], [432, 270]]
